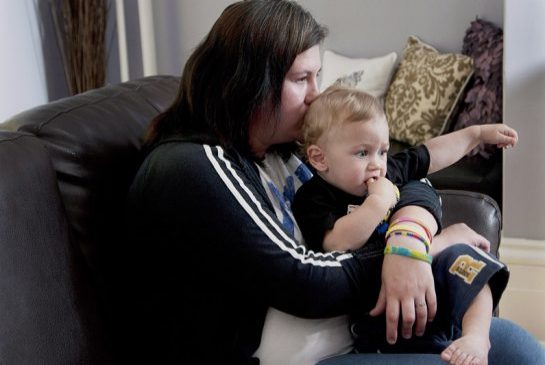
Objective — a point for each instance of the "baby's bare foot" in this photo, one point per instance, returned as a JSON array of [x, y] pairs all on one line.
[[467, 350]]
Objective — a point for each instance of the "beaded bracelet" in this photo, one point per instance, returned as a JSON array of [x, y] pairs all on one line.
[[409, 231], [410, 234], [407, 252], [415, 221]]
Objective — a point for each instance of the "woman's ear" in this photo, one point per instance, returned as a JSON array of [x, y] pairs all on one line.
[[316, 157]]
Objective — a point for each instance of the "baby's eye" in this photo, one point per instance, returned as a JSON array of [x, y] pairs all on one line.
[[384, 152], [361, 154]]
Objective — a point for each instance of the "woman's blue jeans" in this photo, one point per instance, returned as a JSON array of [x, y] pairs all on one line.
[[510, 345]]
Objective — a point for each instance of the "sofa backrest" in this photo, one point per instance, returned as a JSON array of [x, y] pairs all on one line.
[[94, 141]]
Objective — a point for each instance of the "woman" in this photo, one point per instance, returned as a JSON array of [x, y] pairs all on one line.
[[215, 244]]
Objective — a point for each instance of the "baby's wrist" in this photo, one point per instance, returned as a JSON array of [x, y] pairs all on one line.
[[477, 132], [380, 202]]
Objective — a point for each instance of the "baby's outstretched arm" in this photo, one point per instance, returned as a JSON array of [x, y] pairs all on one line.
[[449, 148]]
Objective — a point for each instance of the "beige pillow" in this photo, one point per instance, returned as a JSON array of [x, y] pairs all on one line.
[[371, 75], [424, 91]]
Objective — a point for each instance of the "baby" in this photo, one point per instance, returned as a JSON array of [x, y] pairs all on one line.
[[347, 204]]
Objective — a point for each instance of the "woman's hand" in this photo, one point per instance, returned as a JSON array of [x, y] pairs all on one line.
[[408, 293], [458, 233]]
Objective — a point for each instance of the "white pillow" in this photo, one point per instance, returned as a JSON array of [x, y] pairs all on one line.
[[290, 340], [368, 74]]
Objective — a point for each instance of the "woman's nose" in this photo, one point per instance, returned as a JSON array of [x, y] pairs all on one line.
[[312, 92]]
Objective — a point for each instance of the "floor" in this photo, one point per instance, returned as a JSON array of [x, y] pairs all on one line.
[[524, 300]]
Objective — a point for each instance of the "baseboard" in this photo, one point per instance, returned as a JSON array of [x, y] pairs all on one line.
[[521, 251]]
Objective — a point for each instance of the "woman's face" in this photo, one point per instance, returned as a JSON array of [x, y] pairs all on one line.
[[299, 89]]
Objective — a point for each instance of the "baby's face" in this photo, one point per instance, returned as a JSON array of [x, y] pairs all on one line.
[[355, 153]]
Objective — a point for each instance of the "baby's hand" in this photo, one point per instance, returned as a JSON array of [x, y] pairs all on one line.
[[383, 187], [499, 134]]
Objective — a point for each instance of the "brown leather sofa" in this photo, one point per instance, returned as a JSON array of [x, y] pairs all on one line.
[[65, 168]]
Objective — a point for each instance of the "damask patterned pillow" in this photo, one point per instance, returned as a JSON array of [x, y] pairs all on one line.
[[424, 91]]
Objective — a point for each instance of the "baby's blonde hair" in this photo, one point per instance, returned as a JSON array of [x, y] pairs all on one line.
[[335, 106]]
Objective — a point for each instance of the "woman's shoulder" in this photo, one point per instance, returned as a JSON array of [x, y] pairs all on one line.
[[176, 153], [182, 146], [188, 158]]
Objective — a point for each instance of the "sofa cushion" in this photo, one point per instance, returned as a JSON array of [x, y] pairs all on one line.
[[371, 75], [424, 91]]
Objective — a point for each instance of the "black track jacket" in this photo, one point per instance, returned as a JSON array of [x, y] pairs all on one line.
[[209, 257]]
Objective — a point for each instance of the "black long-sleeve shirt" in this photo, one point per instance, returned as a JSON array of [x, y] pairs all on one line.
[[318, 204]]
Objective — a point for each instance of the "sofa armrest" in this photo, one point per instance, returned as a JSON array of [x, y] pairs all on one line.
[[478, 211]]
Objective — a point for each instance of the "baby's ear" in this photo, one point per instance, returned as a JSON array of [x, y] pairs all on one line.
[[316, 157]]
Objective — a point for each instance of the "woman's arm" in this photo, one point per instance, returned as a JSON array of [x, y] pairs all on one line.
[[448, 148], [407, 282], [204, 213]]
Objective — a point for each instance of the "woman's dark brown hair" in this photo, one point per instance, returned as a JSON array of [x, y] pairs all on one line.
[[238, 69]]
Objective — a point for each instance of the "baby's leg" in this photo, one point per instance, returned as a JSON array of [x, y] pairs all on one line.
[[473, 346], [469, 283]]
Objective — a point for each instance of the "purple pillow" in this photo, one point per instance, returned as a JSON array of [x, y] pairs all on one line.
[[482, 103]]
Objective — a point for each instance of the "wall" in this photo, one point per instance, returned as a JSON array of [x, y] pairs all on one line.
[[524, 96], [375, 27], [31, 65], [523, 244], [180, 25], [21, 65], [357, 27]]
